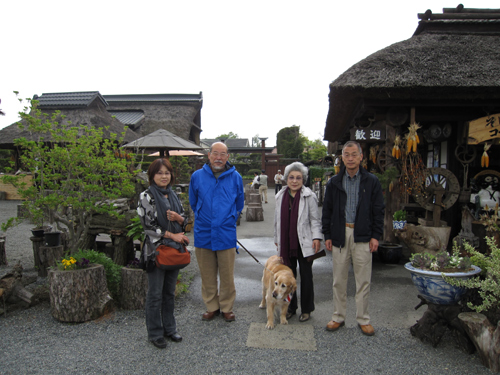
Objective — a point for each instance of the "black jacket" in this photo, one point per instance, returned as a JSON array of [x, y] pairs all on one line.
[[369, 213]]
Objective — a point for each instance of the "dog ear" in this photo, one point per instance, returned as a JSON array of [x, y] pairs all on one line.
[[294, 287]]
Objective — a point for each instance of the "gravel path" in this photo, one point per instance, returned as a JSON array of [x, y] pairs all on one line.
[[32, 342]]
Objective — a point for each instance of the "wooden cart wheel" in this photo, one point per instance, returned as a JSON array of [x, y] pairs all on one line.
[[385, 159], [436, 178]]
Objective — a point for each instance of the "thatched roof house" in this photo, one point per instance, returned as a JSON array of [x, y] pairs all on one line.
[[139, 115], [449, 68], [79, 107]]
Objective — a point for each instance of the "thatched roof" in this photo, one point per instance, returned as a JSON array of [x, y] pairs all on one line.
[[89, 113], [459, 63]]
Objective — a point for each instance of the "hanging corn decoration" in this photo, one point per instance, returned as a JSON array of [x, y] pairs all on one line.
[[396, 151], [373, 154], [413, 139], [485, 159], [337, 164], [391, 186]]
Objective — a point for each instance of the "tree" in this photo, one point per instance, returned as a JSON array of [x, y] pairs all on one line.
[[77, 173], [290, 142], [229, 135], [256, 141], [316, 150]]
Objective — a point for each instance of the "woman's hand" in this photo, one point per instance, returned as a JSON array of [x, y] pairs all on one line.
[[177, 237], [174, 216], [316, 245]]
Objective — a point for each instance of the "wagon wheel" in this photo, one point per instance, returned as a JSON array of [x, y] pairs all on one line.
[[385, 159], [464, 154], [438, 178]]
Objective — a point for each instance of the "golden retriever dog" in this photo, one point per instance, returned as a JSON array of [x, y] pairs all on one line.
[[278, 286]]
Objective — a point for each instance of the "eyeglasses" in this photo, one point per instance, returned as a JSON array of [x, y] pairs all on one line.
[[163, 173], [298, 178], [217, 154], [354, 155]]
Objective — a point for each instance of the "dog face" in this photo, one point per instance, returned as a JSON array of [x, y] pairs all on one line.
[[284, 286]]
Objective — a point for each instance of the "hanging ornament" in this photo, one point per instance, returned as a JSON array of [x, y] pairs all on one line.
[[485, 159], [396, 151], [413, 139], [373, 153]]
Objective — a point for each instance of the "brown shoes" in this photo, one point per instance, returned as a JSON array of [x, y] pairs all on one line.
[[210, 315], [367, 329], [333, 326], [229, 316]]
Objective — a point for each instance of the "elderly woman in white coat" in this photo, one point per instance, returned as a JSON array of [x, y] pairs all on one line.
[[297, 234]]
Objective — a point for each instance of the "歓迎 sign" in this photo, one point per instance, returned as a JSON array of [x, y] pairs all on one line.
[[368, 134]]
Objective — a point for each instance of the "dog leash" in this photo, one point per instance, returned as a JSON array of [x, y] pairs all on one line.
[[249, 253]]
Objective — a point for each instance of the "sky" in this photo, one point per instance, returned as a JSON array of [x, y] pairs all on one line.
[[261, 65]]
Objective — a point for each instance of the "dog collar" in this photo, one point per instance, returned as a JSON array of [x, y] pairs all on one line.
[[289, 297]]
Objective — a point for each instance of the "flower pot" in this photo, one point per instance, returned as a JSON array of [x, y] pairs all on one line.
[[390, 253], [52, 238], [432, 286], [39, 231], [398, 224]]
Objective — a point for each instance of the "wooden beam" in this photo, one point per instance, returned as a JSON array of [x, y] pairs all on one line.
[[458, 16]]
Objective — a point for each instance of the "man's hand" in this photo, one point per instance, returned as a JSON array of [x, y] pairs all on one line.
[[373, 245], [328, 244], [316, 245]]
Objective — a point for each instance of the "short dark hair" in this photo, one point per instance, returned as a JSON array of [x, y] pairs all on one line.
[[155, 167]]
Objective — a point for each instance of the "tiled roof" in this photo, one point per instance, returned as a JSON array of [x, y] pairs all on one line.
[[68, 99], [231, 142], [129, 117], [155, 98]]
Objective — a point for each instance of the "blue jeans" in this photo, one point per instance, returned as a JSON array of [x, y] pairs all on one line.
[[160, 318]]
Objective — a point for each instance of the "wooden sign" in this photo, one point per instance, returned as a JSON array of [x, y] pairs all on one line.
[[369, 134], [484, 129]]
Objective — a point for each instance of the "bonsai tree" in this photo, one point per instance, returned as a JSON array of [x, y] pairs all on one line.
[[77, 172]]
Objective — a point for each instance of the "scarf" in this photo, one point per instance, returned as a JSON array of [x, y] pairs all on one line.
[[289, 236], [164, 204]]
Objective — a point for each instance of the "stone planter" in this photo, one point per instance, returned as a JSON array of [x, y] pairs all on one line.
[[432, 286], [79, 295], [390, 253]]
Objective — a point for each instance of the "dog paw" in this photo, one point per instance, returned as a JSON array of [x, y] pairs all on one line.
[[269, 325], [262, 306], [284, 321]]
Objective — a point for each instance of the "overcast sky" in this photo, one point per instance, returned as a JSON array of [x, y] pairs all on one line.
[[261, 65]]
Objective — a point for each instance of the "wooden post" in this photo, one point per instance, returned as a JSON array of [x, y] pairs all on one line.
[[36, 243], [134, 288], [3, 256], [48, 257], [254, 209], [79, 295]]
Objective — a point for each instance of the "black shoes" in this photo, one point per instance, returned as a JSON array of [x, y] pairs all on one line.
[[160, 343], [175, 337]]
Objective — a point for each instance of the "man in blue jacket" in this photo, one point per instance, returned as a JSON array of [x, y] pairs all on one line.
[[353, 220], [217, 199]]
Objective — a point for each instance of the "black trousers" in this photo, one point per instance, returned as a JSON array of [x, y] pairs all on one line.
[[277, 188], [306, 285]]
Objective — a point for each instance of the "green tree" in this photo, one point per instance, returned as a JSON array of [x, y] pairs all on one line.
[[315, 150], [77, 172], [229, 135], [256, 141], [290, 142]]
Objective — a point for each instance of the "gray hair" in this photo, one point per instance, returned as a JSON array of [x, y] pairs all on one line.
[[296, 167], [352, 143]]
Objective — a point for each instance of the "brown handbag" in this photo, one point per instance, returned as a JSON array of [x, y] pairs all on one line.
[[169, 258]]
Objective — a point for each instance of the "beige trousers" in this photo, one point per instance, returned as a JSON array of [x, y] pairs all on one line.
[[263, 192], [361, 258], [213, 265]]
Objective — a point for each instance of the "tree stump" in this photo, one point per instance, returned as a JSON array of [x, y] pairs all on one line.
[[36, 243], [47, 257], [436, 321], [254, 209], [12, 286], [3, 256], [485, 337], [79, 295], [134, 288], [123, 248]]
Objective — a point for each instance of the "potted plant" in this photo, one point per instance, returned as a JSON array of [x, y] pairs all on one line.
[[491, 227], [430, 274], [399, 219]]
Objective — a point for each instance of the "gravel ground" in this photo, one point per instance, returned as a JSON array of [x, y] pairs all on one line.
[[32, 342]]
